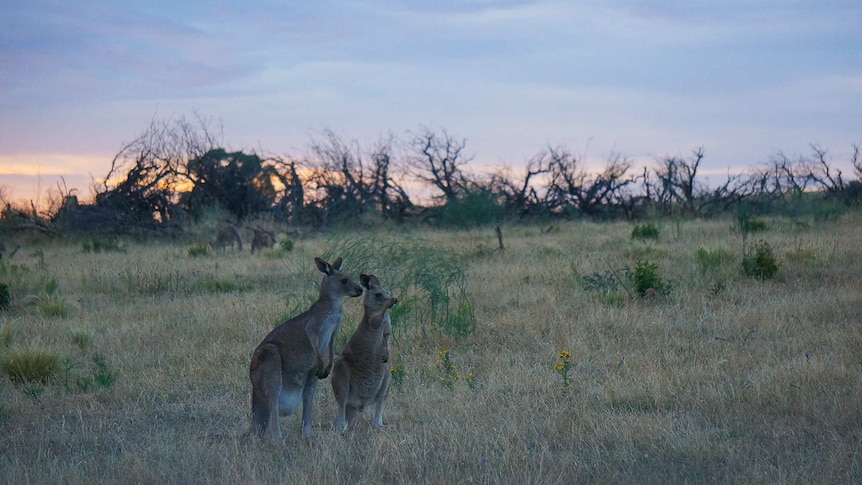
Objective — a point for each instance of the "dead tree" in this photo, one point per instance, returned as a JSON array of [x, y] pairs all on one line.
[[676, 187], [438, 159], [522, 196]]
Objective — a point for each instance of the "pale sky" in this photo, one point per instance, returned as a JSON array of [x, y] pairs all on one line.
[[645, 79]]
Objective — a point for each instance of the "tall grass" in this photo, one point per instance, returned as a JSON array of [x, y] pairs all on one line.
[[432, 279], [759, 382]]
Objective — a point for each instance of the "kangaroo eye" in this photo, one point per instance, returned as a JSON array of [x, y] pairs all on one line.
[[378, 294], [343, 281]]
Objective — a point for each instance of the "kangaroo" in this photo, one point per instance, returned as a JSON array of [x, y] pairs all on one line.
[[227, 236], [3, 250], [361, 376], [288, 362], [262, 240]]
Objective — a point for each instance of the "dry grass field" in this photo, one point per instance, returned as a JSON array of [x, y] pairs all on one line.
[[566, 377]]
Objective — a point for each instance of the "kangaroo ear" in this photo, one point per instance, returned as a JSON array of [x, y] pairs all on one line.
[[336, 265], [323, 266], [366, 281]]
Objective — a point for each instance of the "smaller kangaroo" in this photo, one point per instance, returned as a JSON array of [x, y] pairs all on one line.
[[227, 236], [288, 362], [263, 239], [361, 376]]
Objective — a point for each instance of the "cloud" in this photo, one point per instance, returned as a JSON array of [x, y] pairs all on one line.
[[640, 77]]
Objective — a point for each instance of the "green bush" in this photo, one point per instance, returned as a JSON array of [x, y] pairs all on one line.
[[642, 232], [759, 261], [431, 280], [473, 209], [100, 376], [606, 286], [645, 276], [746, 223], [102, 246], [605, 282], [198, 250], [284, 242], [5, 296]]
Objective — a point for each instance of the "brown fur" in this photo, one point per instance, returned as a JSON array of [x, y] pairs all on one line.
[[262, 240], [361, 376], [227, 236], [288, 362]]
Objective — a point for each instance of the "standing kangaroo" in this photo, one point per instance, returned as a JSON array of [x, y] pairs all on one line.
[[288, 362], [361, 376]]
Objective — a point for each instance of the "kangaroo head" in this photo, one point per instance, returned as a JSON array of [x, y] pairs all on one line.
[[376, 299], [336, 284]]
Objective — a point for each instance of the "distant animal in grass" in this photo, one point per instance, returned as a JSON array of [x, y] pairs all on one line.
[[361, 376], [4, 250], [287, 364], [262, 239], [227, 236]]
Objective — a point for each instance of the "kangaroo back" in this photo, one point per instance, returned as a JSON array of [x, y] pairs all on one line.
[[227, 236], [263, 239]]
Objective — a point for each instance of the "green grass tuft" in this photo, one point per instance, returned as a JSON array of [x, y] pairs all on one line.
[[30, 365]]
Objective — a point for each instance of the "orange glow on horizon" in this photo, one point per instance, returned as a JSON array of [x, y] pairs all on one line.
[[35, 164]]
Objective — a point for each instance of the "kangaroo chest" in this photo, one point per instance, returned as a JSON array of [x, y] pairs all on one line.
[[367, 379], [365, 354]]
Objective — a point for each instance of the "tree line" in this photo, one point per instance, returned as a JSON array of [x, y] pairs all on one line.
[[178, 168]]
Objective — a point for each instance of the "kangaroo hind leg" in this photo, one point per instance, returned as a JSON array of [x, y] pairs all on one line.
[[265, 373]]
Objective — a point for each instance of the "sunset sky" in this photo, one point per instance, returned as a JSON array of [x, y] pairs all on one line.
[[639, 78]]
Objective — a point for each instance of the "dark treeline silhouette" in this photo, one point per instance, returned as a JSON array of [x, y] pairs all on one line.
[[178, 168]]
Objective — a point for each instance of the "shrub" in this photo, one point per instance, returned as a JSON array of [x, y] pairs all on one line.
[[746, 223], [645, 231], [473, 209], [30, 365], [284, 242], [101, 376], [283, 245], [198, 250], [608, 286], [432, 280], [605, 282], [102, 246], [5, 297], [222, 284], [645, 276], [760, 261]]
